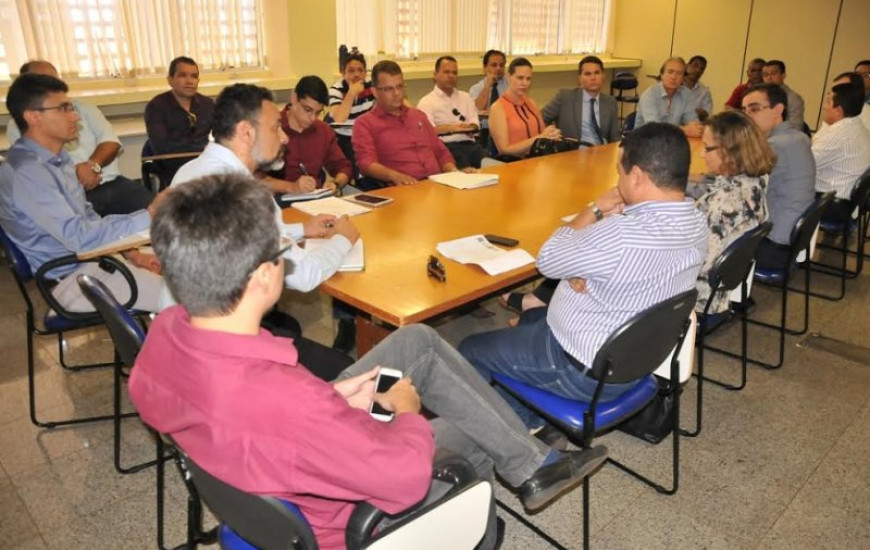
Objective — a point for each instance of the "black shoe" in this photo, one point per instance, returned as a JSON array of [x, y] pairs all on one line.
[[552, 437], [345, 338], [551, 480]]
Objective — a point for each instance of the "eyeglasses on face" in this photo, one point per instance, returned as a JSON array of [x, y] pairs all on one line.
[[274, 258], [65, 107], [753, 108], [435, 269]]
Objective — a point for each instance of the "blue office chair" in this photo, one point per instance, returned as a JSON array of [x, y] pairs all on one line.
[[841, 219], [57, 320], [730, 271], [458, 519], [631, 353], [801, 243], [623, 83], [128, 335]]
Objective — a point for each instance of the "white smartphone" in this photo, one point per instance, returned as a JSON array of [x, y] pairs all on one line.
[[385, 381]]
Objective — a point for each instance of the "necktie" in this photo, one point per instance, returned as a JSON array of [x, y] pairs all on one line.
[[493, 94], [594, 120]]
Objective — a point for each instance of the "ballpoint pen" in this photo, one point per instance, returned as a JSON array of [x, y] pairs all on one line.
[[304, 171]]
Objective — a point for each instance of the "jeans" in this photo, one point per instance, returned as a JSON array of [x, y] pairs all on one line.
[[530, 353], [473, 421]]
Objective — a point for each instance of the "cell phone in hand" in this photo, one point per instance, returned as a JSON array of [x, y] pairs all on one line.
[[504, 241], [386, 379]]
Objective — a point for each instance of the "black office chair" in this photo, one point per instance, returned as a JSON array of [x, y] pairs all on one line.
[[840, 220], [249, 522], [801, 243], [628, 124], [730, 270], [623, 83], [158, 170], [57, 320], [128, 334], [631, 353]]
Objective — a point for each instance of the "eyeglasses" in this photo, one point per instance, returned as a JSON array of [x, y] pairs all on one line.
[[459, 115], [65, 107], [275, 258], [435, 269], [753, 108], [191, 119], [391, 89]]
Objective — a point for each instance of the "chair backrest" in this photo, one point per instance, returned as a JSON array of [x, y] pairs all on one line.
[[15, 258], [628, 124], [734, 263], [806, 226], [642, 343], [457, 522], [127, 334], [265, 522], [861, 192], [686, 357], [623, 81]]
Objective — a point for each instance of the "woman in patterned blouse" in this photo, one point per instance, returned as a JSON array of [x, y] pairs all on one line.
[[740, 160]]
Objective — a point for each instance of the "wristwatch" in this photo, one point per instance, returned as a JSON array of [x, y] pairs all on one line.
[[599, 215], [96, 167]]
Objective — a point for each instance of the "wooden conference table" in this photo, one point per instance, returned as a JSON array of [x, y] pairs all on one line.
[[527, 204]]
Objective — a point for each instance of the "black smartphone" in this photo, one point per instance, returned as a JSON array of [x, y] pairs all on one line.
[[370, 199], [504, 241]]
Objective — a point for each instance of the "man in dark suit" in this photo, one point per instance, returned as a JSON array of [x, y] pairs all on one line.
[[584, 113]]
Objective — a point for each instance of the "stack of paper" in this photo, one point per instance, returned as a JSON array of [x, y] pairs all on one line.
[[477, 250], [311, 195], [355, 259], [331, 205], [461, 180]]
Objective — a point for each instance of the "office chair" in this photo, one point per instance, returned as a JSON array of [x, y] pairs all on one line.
[[730, 270], [57, 320], [158, 170], [624, 82], [631, 353], [128, 334]]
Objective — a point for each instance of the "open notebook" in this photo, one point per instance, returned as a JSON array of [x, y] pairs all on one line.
[[355, 259], [331, 205], [135, 240], [461, 180]]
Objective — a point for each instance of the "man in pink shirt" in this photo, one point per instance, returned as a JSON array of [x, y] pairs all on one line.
[[394, 143], [236, 399]]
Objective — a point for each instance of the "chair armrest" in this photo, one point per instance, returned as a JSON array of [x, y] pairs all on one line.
[[447, 467], [171, 156], [44, 283]]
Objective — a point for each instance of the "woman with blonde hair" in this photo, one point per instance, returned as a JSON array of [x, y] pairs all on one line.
[[740, 160]]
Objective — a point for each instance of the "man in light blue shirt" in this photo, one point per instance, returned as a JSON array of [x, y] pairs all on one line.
[[43, 208], [668, 101], [493, 84], [95, 154]]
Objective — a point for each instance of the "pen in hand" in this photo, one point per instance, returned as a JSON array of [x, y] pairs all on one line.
[[304, 171]]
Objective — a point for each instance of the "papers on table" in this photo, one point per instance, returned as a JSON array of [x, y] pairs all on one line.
[[477, 250], [125, 243], [461, 180], [355, 260], [311, 195], [569, 218], [331, 205]]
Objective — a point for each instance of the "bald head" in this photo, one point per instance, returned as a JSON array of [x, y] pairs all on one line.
[[39, 66]]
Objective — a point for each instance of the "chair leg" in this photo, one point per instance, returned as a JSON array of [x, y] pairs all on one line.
[[75, 368], [534, 528], [118, 417]]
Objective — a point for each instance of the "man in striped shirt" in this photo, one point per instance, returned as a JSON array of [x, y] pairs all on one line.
[[635, 246], [842, 147]]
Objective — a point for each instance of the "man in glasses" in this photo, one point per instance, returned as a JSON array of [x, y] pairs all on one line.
[[396, 144], [453, 114], [790, 189], [312, 157], [43, 208], [179, 120], [95, 153], [248, 410]]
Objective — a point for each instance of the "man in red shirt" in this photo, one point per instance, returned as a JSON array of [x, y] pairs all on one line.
[[236, 399], [753, 77], [394, 143]]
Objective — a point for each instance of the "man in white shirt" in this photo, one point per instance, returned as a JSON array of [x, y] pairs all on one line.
[[774, 72], [669, 101], [453, 114], [95, 153], [701, 97], [841, 149]]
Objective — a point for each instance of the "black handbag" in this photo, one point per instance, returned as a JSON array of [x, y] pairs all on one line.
[[655, 421], [546, 146]]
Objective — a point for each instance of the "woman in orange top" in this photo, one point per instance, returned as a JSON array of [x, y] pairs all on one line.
[[515, 121]]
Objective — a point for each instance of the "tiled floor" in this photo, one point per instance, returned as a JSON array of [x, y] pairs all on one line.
[[781, 465]]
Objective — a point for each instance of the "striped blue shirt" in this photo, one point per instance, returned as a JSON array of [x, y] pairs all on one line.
[[651, 252]]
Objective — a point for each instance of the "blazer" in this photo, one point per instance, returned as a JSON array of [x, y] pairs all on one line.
[[565, 110]]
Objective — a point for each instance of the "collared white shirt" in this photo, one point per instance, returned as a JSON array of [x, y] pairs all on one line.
[[441, 108], [309, 268], [842, 152]]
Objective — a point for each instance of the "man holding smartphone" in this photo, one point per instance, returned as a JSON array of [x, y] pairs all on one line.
[[236, 399]]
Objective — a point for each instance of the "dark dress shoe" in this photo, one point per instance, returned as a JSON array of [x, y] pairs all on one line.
[[552, 437], [345, 338], [551, 480]]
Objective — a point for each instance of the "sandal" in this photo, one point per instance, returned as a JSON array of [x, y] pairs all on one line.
[[513, 302]]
